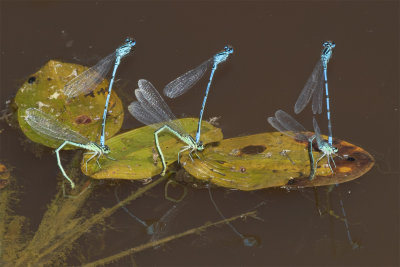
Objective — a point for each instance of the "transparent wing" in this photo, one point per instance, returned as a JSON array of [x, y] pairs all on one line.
[[150, 96], [289, 122], [275, 123], [153, 108], [316, 79], [317, 97], [186, 81], [48, 126], [88, 80], [317, 133], [286, 124], [141, 114]]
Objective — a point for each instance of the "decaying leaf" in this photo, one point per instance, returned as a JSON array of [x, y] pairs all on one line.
[[44, 90], [274, 160]]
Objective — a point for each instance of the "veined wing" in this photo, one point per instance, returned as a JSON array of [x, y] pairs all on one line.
[[318, 95], [186, 81], [151, 107], [48, 126], [88, 80], [141, 114], [317, 133], [286, 124], [314, 82]]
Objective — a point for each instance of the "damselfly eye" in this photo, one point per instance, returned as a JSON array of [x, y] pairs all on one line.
[[200, 146], [228, 49]]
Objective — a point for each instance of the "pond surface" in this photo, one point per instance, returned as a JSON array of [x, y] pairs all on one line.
[[276, 47]]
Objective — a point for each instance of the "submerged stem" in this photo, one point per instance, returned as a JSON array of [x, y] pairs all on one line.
[[46, 245], [166, 239]]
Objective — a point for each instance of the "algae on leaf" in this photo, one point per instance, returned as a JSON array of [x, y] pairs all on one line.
[[44, 90], [274, 160], [134, 154]]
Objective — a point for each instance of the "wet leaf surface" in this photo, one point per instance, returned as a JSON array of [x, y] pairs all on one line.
[[44, 90], [274, 160]]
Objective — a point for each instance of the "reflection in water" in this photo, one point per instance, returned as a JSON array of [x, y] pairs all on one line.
[[128, 211], [158, 228], [248, 241]]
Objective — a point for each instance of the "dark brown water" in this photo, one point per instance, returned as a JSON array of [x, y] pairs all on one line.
[[276, 47]]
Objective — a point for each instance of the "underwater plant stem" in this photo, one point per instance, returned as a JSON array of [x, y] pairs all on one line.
[[166, 239], [71, 236]]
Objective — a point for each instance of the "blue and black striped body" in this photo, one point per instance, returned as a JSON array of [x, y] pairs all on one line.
[[119, 54], [325, 56], [218, 58]]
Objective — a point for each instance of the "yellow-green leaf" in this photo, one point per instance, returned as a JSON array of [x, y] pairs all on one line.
[[135, 153], [274, 160], [44, 90]]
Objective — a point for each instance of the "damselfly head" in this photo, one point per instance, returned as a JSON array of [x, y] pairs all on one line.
[[125, 49], [223, 55], [130, 41], [200, 146], [330, 44], [228, 49], [106, 149], [328, 149]]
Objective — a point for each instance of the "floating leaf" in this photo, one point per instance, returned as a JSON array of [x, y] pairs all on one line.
[[135, 155], [274, 160], [44, 90]]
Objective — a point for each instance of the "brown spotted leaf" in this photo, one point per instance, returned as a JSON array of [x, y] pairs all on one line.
[[274, 160], [44, 90]]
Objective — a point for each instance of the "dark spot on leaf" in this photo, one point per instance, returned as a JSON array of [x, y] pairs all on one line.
[[83, 119], [274, 171], [253, 150], [101, 91], [31, 79], [213, 144], [221, 161], [90, 94], [242, 169], [49, 79]]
